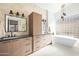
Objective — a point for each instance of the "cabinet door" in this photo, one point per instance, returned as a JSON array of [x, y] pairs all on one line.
[[16, 48], [4, 48], [22, 47], [28, 46], [37, 24]]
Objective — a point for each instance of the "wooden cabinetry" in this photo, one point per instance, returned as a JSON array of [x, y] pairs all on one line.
[[35, 29], [35, 24], [41, 41], [17, 47], [4, 50]]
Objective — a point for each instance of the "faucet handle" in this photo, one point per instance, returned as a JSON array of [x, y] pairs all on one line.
[[8, 35], [14, 35]]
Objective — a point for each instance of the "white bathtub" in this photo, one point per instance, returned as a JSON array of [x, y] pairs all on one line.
[[66, 40]]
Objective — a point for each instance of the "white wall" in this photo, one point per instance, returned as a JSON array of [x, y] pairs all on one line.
[[51, 21], [71, 9], [52, 7]]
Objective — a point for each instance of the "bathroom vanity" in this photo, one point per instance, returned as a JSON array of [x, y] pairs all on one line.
[[12, 44], [16, 47]]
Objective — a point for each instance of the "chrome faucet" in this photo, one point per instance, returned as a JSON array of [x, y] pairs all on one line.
[[11, 34]]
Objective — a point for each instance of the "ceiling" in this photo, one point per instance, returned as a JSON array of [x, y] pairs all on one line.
[[52, 7]]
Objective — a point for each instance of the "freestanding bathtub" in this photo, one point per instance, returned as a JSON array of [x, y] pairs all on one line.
[[66, 40]]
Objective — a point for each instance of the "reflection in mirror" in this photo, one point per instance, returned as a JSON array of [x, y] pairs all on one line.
[[15, 24], [12, 25]]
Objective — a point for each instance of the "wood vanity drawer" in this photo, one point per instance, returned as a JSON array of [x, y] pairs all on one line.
[[25, 50], [29, 41], [28, 46], [37, 44], [41, 41], [28, 49], [18, 52], [36, 48], [4, 48], [36, 39]]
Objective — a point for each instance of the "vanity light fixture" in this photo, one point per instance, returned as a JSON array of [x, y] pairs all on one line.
[[17, 13], [11, 12], [22, 14]]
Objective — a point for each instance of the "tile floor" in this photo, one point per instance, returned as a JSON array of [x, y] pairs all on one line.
[[57, 50]]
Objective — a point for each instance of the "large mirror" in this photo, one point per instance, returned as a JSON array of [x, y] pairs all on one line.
[[15, 23]]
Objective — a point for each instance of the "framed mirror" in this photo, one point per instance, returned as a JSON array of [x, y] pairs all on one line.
[[15, 23]]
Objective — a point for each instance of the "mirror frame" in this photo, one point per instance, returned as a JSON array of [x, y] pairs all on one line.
[[15, 17]]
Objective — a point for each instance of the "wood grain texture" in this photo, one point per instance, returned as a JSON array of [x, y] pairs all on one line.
[[35, 23], [18, 47], [41, 41]]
